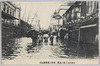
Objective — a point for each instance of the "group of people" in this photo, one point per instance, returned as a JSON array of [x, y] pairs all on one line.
[[38, 38]]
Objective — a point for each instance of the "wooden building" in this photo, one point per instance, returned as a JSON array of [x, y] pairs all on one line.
[[81, 20]]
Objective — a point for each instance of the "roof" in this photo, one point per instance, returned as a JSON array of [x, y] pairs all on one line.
[[10, 2]]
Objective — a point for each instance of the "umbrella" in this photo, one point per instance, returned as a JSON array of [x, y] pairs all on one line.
[[31, 32], [45, 32]]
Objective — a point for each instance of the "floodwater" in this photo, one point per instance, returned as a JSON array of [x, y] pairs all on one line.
[[22, 48]]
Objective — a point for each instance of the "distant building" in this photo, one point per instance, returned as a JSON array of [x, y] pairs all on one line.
[[53, 28]]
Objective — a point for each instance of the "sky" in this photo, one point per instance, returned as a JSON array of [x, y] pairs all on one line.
[[43, 10]]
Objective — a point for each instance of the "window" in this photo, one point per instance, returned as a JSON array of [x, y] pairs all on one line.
[[67, 16], [97, 7], [70, 12], [84, 8], [10, 11], [4, 9], [72, 15], [13, 12], [7, 9], [89, 8], [78, 11]]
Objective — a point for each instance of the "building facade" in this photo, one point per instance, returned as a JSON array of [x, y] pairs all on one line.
[[10, 18], [81, 20]]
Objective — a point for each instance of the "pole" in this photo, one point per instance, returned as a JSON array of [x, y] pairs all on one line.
[[33, 17], [79, 42], [58, 28]]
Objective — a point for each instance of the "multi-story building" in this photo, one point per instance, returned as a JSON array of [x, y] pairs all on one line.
[[10, 18], [53, 28], [81, 20]]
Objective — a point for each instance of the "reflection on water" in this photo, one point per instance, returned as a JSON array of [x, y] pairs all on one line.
[[23, 48], [9, 49], [33, 48]]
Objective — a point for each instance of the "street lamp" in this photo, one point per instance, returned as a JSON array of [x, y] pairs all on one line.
[[58, 17]]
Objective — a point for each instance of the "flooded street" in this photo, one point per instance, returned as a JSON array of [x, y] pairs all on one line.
[[65, 32], [26, 50]]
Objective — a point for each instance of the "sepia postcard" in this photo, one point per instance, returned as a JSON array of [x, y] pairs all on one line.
[[49, 32]]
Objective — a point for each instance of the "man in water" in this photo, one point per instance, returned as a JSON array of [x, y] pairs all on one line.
[[51, 39]]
